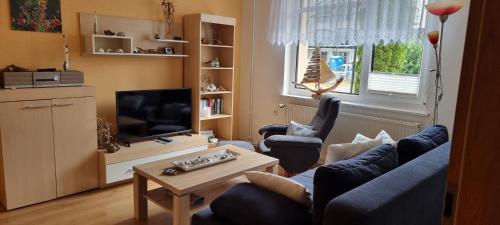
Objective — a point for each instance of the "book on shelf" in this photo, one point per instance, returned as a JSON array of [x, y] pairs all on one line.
[[216, 105]]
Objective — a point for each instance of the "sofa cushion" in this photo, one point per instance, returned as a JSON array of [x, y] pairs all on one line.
[[207, 217], [415, 145], [248, 204], [306, 179], [337, 178]]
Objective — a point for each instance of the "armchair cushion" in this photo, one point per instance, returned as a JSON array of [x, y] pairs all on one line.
[[248, 204], [340, 177], [284, 141], [415, 145], [297, 129]]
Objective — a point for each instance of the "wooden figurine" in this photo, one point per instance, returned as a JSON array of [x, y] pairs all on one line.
[[318, 72]]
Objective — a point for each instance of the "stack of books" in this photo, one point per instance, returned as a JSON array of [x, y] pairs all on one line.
[[216, 104]]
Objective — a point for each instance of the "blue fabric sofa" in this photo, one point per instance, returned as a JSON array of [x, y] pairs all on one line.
[[410, 194]]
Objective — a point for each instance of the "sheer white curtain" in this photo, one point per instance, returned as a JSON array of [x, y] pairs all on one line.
[[284, 21], [335, 22]]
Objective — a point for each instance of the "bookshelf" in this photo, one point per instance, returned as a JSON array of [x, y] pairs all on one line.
[[206, 26]]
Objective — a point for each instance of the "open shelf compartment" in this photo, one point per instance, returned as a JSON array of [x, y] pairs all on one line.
[[163, 198]]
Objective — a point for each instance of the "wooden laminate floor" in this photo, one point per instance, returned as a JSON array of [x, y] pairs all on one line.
[[111, 206]]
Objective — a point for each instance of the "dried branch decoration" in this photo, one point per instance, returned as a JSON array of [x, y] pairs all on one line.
[[168, 13], [104, 136]]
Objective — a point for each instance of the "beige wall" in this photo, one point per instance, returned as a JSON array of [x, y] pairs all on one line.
[[109, 74]]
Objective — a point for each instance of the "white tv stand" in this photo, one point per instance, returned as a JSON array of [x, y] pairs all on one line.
[[116, 167]]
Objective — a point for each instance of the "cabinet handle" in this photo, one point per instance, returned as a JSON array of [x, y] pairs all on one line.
[[36, 106], [63, 104]]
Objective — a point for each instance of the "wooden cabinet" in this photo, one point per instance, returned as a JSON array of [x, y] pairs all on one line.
[[28, 152], [75, 144], [48, 147]]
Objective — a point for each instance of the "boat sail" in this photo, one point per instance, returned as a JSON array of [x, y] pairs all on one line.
[[318, 72]]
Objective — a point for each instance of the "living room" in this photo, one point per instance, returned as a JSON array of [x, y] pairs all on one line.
[[241, 112]]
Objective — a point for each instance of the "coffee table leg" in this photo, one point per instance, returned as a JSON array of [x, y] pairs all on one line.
[[181, 210], [272, 169], [140, 202]]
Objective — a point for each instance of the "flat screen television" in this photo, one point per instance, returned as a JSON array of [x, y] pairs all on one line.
[[149, 114]]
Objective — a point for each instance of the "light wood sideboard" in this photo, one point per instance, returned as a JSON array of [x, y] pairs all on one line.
[[117, 167], [48, 144]]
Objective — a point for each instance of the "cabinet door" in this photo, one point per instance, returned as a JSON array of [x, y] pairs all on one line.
[[28, 152], [75, 141]]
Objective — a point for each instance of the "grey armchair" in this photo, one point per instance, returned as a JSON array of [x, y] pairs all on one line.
[[298, 154]]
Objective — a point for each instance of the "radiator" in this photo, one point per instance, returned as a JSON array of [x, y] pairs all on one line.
[[348, 125]]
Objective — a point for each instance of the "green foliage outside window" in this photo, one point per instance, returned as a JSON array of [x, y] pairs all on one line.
[[357, 69], [394, 57], [397, 57]]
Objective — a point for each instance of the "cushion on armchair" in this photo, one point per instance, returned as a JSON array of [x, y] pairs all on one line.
[[248, 204], [337, 178], [297, 129], [415, 145]]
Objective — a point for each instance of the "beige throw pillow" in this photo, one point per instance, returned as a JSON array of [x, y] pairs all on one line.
[[281, 185], [360, 144], [338, 152]]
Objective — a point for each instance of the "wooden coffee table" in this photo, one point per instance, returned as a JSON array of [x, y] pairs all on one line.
[[175, 191]]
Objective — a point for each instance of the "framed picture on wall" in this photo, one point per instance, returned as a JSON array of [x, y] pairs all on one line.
[[36, 15]]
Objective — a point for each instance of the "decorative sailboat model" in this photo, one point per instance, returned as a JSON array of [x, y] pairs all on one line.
[[318, 72]]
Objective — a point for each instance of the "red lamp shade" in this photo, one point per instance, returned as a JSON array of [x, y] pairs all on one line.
[[444, 8], [433, 37]]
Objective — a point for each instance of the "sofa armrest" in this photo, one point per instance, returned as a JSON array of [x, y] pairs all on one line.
[[275, 129], [411, 194], [293, 141]]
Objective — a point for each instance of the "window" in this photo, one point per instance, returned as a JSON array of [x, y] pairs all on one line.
[[378, 68], [395, 68]]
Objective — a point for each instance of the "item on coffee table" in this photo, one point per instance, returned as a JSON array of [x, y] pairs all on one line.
[[171, 171], [205, 160], [212, 142]]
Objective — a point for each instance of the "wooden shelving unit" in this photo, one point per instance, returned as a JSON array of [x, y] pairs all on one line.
[[138, 34], [196, 27]]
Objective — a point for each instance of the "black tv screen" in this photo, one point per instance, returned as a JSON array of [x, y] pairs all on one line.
[[148, 114]]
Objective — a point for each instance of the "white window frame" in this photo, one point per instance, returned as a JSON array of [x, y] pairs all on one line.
[[406, 102]]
